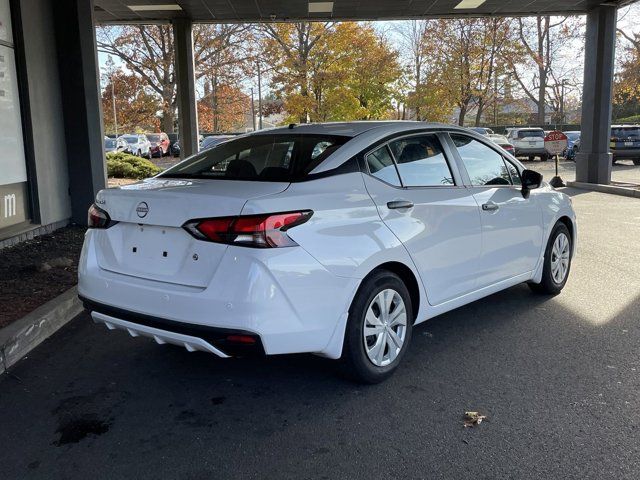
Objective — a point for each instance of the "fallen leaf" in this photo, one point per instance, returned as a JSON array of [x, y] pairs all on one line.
[[471, 419]]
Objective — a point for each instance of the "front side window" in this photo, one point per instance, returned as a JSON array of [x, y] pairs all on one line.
[[485, 166], [267, 158], [381, 166], [421, 161], [515, 175]]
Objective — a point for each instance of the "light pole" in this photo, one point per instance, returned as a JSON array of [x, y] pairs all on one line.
[[113, 100]]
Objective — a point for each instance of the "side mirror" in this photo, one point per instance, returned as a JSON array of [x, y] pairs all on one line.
[[530, 180]]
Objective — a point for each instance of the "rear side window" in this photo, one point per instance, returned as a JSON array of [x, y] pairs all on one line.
[[381, 166], [266, 158], [421, 162], [485, 166]]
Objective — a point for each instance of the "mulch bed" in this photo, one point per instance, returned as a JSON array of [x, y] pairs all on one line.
[[38, 270]]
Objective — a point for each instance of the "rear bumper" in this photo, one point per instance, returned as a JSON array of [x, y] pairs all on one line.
[[192, 337], [283, 296], [530, 151], [624, 153]]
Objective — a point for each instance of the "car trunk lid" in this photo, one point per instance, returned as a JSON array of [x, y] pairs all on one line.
[[149, 242]]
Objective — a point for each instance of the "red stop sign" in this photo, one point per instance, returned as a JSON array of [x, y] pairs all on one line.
[[555, 142], [555, 135]]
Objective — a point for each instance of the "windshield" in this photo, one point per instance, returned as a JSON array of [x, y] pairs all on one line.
[[153, 138], [265, 158], [626, 132], [531, 133], [131, 138], [110, 143]]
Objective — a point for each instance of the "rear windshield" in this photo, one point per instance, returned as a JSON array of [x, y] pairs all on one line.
[[530, 133], [626, 132], [264, 158], [572, 135]]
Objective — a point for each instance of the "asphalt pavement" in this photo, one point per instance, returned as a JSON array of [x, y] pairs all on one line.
[[557, 377]]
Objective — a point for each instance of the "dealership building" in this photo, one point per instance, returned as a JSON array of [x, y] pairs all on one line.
[[51, 154]]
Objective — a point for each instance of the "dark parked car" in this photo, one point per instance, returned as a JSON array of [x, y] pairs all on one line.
[[175, 148], [159, 144], [625, 143], [213, 140]]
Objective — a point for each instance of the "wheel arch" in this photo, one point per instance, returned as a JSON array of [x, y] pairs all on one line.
[[408, 278], [568, 222]]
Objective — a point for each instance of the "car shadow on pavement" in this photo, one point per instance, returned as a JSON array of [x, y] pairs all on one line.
[[121, 404]]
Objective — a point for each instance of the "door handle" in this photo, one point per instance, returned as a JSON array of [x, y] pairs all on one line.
[[399, 204], [490, 207]]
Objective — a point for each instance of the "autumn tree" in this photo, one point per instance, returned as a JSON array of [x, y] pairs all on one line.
[[227, 114], [543, 40], [136, 105], [290, 48], [626, 89], [148, 51], [422, 83], [321, 73]]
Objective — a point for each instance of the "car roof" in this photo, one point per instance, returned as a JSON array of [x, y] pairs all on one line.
[[349, 129]]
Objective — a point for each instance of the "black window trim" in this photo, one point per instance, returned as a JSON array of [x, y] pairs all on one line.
[[458, 181]]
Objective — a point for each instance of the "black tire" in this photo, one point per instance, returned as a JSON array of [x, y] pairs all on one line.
[[531, 158], [355, 361], [138, 153], [544, 158], [636, 161], [548, 284]]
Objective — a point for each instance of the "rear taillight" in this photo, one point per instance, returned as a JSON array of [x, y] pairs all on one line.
[[258, 231], [98, 218]]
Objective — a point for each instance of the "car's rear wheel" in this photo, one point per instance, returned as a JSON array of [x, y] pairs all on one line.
[[557, 261], [378, 329], [636, 161]]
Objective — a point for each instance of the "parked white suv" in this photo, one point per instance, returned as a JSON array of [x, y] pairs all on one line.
[[333, 239], [528, 142]]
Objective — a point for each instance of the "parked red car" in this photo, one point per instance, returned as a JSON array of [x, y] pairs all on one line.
[[160, 144]]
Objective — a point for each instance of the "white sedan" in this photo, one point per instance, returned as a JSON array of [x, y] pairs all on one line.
[[334, 239]]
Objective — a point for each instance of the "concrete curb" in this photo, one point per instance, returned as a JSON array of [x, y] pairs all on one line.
[[613, 189], [22, 336]]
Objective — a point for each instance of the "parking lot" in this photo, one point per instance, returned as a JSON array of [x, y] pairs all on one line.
[[623, 171], [557, 377]]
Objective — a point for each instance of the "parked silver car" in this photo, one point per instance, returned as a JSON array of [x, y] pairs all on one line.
[[139, 144]]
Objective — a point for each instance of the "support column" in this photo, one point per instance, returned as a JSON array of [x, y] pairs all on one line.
[[593, 162], [80, 86], [185, 75]]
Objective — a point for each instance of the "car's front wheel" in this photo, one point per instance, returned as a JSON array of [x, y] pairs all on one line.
[[378, 329], [557, 261]]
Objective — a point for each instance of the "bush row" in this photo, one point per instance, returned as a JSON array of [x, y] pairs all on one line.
[[123, 165]]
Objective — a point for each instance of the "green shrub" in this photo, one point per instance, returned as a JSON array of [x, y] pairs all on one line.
[[632, 120], [123, 165]]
